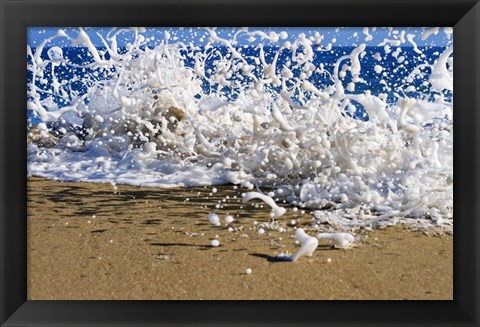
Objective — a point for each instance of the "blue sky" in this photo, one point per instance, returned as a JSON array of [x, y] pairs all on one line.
[[347, 36]]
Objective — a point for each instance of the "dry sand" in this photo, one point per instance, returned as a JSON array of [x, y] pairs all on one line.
[[89, 241]]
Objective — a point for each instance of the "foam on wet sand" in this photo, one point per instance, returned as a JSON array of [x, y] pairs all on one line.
[[166, 253]]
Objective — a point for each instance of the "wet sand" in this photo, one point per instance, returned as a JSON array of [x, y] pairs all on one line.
[[89, 241]]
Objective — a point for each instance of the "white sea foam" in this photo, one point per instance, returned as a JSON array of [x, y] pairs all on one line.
[[341, 240], [146, 118]]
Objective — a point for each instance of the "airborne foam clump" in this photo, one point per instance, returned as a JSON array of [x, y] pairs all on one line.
[[308, 244], [276, 210]]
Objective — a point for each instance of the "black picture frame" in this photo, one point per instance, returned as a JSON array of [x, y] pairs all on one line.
[[16, 16]]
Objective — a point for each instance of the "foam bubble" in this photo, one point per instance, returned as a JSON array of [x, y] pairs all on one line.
[[229, 219], [214, 219]]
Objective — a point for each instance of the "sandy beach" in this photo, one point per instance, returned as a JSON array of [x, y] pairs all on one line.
[[92, 241]]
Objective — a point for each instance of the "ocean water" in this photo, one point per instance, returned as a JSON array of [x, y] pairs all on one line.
[[362, 135]]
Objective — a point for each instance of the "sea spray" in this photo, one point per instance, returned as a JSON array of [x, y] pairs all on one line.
[[179, 114]]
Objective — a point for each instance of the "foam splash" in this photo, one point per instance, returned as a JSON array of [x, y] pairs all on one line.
[[178, 114], [308, 244]]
